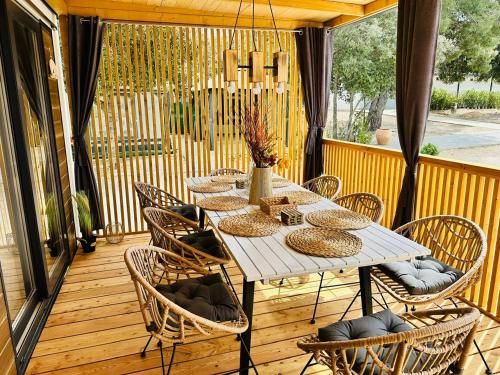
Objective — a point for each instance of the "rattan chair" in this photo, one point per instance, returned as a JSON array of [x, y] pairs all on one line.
[[167, 228], [226, 172], [453, 240], [326, 186], [438, 343], [152, 196], [364, 203], [165, 320]]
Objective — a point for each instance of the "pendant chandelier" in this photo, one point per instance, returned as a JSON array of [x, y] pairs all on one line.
[[255, 61]]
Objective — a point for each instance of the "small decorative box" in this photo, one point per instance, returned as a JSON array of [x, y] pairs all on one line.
[[274, 205], [240, 183], [291, 216]]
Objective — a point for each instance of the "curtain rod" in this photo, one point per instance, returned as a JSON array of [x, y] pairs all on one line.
[[111, 21]]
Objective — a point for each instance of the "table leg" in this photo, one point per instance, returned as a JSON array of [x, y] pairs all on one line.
[[365, 285], [246, 337], [202, 218]]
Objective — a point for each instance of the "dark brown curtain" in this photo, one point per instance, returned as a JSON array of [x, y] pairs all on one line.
[[418, 24], [314, 47], [85, 41]]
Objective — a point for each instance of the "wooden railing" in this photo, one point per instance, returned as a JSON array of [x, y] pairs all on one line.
[[443, 187], [163, 112]]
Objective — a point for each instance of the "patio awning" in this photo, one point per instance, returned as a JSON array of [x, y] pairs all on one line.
[[290, 14]]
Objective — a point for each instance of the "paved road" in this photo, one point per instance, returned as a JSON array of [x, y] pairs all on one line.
[[449, 133]]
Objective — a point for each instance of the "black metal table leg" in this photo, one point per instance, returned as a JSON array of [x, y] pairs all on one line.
[[202, 218], [366, 289], [246, 337]]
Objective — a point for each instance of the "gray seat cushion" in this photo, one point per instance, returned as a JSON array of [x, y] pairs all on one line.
[[186, 210], [424, 275], [206, 296], [205, 241], [381, 323]]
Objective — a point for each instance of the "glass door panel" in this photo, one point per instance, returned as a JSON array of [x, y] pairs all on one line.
[[37, 126], [14, 255]]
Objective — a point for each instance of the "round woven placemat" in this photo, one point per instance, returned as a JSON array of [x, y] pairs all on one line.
[[226, 203], [339, 219], [228, 179], [210, 187], [250, 225], [323, 242], [301, 197], [280, 183]]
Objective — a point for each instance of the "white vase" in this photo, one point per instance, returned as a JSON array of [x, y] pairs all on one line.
[[261, 184]]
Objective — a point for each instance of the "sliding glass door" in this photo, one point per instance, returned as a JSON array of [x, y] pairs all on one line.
[[33, 235], [15, 257]]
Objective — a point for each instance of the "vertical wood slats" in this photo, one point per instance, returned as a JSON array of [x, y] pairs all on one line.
[[443, 187], [163, 113]]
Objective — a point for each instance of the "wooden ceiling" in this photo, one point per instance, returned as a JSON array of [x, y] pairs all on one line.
[[289, 14]]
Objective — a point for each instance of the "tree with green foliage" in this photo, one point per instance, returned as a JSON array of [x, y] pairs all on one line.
[[472, 30], [494, 74], [364, 68]]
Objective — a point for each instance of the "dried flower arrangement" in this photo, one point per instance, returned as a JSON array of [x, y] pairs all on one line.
[[260, 141]]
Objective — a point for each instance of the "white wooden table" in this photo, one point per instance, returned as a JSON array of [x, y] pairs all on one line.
[[269, 258]]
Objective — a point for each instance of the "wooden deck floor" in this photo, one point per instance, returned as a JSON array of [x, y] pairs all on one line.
[[95, 326]]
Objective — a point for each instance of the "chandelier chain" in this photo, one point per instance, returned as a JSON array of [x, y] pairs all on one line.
[[235, 24], [274, 23]]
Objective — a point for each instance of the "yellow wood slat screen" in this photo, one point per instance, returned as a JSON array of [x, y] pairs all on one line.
[[163, 113], [443, 187]]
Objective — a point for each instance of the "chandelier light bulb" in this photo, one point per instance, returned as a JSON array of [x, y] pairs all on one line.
[[232, 87], [281, 88], [256, 89]]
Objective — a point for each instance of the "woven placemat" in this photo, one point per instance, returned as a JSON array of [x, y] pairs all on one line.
[[323, 242], [228, 179], [226, 203], [280, 183], [250, 225], [210, 187], [339, 219], [301, 197]]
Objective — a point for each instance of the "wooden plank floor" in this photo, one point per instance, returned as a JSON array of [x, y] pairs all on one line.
[[95, 326]]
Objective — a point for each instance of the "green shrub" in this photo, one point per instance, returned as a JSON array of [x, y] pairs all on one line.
[[430, 149], [474, 99], [442, 99], [494, 100], [361, 132]]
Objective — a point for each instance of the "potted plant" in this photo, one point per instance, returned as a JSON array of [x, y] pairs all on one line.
[[52, 226], [261, 144], [88, 238]]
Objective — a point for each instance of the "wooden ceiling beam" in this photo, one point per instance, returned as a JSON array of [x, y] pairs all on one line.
[[370, 9], [328, 6], [135, 12]]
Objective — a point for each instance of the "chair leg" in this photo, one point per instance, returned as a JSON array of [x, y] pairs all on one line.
[[228, 279], [382, 295], [488, 369], [161, 355], [313, 319], [252, 364], [350, 305], [307, 365], [143, 352], [171, 359]]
